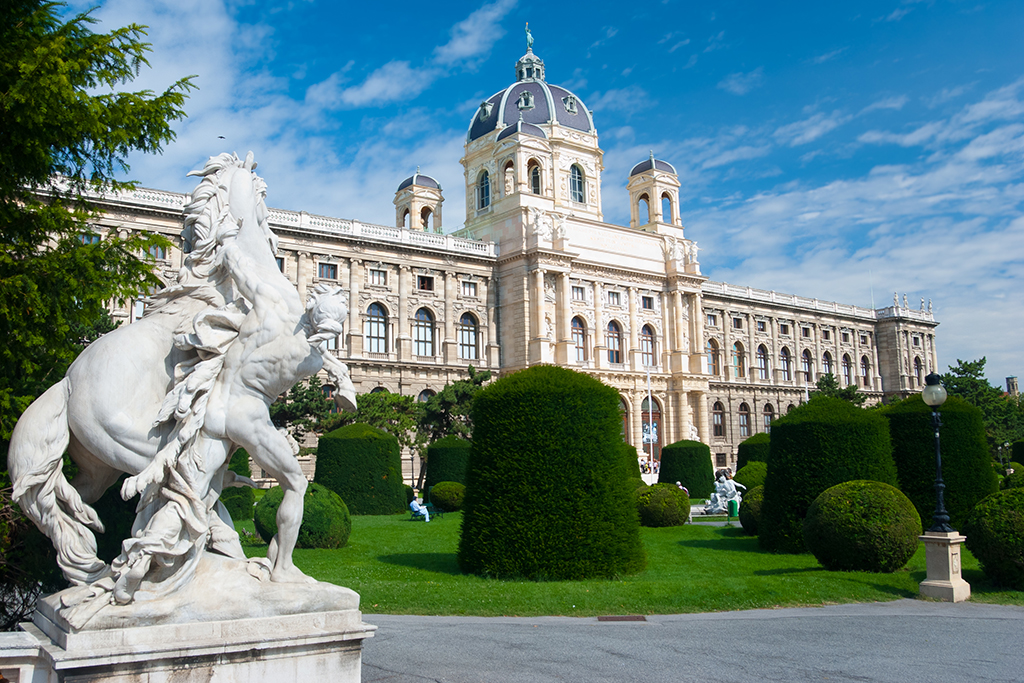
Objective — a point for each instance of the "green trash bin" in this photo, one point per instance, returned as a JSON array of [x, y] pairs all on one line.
[[734, 508]]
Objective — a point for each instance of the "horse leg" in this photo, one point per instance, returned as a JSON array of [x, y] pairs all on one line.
[[94, 476]]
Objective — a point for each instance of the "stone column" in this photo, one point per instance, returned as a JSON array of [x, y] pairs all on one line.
[[638, 428], [490, 295], [403, 336], [355, 313], [698, 361], [538, 333], [679, 352], [634, 334], [450, 345], [563, 321], [600, 356], [698, 399], [302, 274]]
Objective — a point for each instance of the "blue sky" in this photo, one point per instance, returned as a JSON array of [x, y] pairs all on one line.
[[837, 150]]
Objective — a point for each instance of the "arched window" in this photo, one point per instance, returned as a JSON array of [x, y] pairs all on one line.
[[425, 215], [650, 417], [483, 190], [423, 333], [469, 332], [917, 371], [666, 208], [614, 342], [379, 390], [425, 395], [744, 420], [579, 338], [865, 371], [534, 173], [714, 358], [405, 218], [577, 186], [847, 371], [739, 361], [769, 415], [828, 365], [718, 419], [647, 346], [510, 178], [786, 364], [762, 362], [643, 210], [376, 329], [806, 364]]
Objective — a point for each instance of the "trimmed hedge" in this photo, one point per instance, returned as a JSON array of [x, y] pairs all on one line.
[[325, 519], [239, 500], [1015, 480], [754, 449], [546, 495], [862, 526], [362, 465], [448, 496], [750, 510], [995, 535], [824, 442], [410, 494], [1017, 451], [663, 505], [689, 463], [966, 463], [752, 475], [446, 460], [630, 461]]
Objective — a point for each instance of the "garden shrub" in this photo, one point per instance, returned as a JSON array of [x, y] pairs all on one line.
[[966, 469], [995, 536], [629, 460], [325, 519], [410, 494], [750, 510], [824, 442], [239, 500], [689, 463], [751, 475], [362, 465], [1015, 480], [663, 505], [1017, 451], [753, 449], [446, 460], [448, 496], [546, 495], [862, 526]]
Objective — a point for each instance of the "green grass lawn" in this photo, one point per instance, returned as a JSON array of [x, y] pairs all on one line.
[[404, 567]]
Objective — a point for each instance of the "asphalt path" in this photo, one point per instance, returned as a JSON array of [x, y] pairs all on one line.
[[904, 641]]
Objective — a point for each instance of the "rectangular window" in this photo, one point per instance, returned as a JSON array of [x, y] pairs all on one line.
[[328, 271], [578, 293], [331, 343], [647, 302], [761, 326], [720, 460], [614, 299], [826, 335], [718, 423], [846, 337], [425, 283], [158, 252], [863, 339], [917, 341], [280, 264], [805, 332], [379, 277], [737, 323], [784, 329], [90, 238], [468, 288], [712, 320]]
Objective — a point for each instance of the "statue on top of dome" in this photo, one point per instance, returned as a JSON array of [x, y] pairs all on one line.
[[529, 38]]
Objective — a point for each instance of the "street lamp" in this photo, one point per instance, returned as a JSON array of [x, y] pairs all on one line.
[[934, 394]]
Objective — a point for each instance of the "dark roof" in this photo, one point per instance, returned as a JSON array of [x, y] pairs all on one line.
[[522, 127], [647, 164], [550, 105], [420, 180]]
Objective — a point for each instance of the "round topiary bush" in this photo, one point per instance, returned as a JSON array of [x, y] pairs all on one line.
[[325, 519], [239, 500], [750, 510], [663, 505], [689, 463], [448, 496], [752, 475], [546, 495], [362, 465], [995, 535], [862, 526], [824, 442], [753, 449], [965, 455], [446, 460]]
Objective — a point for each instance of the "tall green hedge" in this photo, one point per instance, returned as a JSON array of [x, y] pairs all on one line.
[[966, 468], [689, 463], [362, 465], [239, 500], [630, 460], [546, 493], [752, 475], [446, 460], [1017, 452], [754, 449], [826, 441]]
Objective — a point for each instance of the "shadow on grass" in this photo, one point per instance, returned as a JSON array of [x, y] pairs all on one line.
[[442, 563], [787, 570], [729, 539]]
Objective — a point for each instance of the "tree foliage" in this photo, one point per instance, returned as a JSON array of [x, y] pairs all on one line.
[[303, 409], [393, 413], [828, 385], [447, 412], [1003, 415]]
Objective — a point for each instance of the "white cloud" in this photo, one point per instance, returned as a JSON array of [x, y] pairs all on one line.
[[895, 103], [394, 82], [742, 83], [630, 98], [473, 36], [809, 130], [820, 59]]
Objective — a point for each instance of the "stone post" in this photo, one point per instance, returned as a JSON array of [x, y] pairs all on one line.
[[942, 558]]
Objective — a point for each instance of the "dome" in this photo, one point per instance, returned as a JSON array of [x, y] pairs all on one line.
[[656, 164], [418, 178], [521, 126], [530, 100]]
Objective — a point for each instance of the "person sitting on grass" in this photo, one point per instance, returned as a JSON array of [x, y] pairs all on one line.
[[419, 510]]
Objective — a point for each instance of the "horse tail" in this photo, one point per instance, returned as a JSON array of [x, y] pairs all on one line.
[[35, 458]]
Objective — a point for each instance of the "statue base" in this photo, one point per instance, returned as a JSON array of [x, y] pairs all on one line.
[[942, 557]]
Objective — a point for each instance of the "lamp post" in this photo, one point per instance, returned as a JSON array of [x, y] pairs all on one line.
[[942, 542]]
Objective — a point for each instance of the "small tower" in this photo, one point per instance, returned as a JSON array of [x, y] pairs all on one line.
[[418, 203], [653, 195]]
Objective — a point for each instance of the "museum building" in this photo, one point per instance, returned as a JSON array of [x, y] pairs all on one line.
[[536, 276]]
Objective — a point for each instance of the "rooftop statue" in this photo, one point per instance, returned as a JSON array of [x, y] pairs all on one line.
[[529, 37], [167, 400]]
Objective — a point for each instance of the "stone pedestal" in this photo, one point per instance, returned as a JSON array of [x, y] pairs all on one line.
[[323, 646], [942, 554]]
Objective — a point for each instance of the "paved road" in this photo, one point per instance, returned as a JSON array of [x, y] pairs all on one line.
[[903, 641]]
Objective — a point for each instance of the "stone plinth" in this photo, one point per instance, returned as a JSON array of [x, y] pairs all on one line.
[[942, 554], [317, 646]]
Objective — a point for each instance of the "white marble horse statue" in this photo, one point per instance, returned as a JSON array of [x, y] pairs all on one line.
[[168, 398]]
